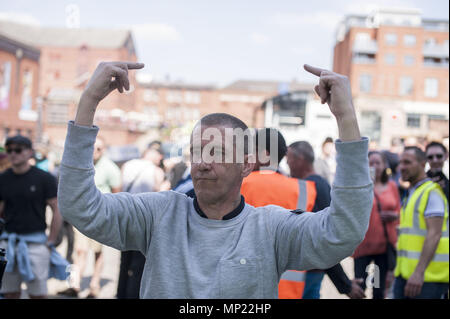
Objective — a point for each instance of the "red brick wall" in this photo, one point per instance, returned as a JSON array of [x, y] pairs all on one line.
[[386, 78]]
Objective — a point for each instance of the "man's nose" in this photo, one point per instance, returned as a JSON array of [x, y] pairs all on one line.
[[204, 166]]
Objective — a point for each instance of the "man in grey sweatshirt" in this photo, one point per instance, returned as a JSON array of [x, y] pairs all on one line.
[[216, 246]]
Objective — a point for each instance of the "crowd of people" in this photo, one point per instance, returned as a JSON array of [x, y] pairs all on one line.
[[406, 240]]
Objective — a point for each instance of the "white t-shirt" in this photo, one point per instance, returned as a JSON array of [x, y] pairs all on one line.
[[142, 172]]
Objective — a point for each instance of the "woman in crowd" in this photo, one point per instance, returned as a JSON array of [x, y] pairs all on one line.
[[382, 229]]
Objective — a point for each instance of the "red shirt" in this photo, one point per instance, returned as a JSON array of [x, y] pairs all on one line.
[[375, 241]]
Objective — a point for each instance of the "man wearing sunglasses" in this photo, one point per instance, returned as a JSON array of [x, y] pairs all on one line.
[[25, 192], [437, 154], [422, 269]]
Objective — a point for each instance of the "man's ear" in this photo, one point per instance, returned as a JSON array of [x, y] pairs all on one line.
[[248, 165]]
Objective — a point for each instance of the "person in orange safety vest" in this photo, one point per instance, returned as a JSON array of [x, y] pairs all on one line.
[[266, 185]]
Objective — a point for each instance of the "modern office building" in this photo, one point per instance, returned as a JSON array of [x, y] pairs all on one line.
[[398, 65]]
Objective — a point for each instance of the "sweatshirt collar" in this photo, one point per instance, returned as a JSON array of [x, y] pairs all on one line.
[[230, 215]]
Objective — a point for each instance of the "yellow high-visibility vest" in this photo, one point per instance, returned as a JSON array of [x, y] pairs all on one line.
[[412, 234]]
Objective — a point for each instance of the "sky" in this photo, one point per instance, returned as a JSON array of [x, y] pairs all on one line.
[[218, 42]]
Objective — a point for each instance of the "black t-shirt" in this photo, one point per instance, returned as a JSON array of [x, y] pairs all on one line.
[[323, 189], [25, 199], [438, 177]]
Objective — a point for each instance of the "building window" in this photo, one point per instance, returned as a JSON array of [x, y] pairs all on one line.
[[406, 85], [365, 83], [150, 95], [413, 120], [290, 110], [431, 87], [191, 97], [362, 36], [174, 96], [409, 60], [409, 40], [389, 58], [391, 38], [430, 42], [437, 117]]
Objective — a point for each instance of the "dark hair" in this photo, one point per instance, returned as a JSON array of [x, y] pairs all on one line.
[[420, 155], [327, 140], [268, 134], [433, 144], [384, 174], [304, 149], [157, 146]]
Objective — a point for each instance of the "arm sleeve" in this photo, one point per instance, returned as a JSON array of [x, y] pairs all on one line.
[[123, 221], [435, 206], [321, 240], [339, 279]]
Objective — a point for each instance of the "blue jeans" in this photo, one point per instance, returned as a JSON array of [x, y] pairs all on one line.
[[430, 290], [313, 282]]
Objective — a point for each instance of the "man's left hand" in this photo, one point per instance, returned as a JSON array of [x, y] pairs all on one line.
[[414, 285]]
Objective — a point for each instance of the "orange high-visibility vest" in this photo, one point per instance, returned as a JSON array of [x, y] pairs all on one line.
[[263, 188], [266, 187]]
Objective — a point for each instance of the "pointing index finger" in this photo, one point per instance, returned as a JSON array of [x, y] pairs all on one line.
[[134, 65], [312, 69]]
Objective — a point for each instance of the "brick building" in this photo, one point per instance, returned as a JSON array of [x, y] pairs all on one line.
[[68, 58], [397, 63], [19, 78], [177, 106]]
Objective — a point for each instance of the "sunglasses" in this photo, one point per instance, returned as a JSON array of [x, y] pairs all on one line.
[[438, 156], [15, 150]]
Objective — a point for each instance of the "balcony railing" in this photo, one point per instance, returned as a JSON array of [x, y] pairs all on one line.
[[435, 64], [365, 46], [435, 50], [363, 59]]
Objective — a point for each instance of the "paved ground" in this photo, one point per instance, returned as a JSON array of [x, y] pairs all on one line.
[[109, 276]]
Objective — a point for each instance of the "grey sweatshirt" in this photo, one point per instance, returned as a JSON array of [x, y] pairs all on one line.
[[189, 256]]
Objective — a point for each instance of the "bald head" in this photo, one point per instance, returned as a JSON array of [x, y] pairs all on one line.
[[222, 119], [236, 129]]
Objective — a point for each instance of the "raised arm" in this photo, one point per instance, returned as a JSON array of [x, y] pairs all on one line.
[[334, 89], [121, 220], [322, 239], [108, 77]]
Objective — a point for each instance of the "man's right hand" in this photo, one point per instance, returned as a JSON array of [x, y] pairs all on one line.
[[357, 292], [334, 89], [107, 77]]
